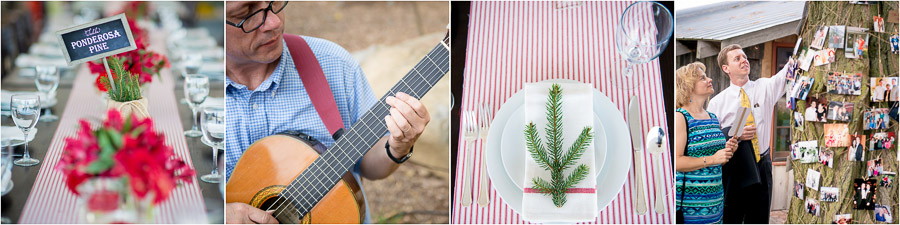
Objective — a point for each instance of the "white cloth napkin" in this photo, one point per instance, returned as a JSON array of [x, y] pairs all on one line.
[[577, 108]]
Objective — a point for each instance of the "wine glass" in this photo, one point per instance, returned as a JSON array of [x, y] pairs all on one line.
[[196, 88], [212, 120], [642, 34], [26, 110], [190, 63], [46, 79]]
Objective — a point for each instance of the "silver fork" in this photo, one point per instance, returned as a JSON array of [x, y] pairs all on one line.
[[486, 116], [471, 135]]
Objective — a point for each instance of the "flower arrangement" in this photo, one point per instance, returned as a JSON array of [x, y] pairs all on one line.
[[140, 61], [126, 148]]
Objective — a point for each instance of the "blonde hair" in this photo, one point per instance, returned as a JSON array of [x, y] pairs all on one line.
[[685, 77]]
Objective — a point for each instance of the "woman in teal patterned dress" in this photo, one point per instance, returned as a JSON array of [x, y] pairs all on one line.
[[700, 150]]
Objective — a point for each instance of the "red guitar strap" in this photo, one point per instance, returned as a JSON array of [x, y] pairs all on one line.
[[316, 85]]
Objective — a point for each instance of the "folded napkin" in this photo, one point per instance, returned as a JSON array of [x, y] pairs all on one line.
[[577, 113], [5, 97]]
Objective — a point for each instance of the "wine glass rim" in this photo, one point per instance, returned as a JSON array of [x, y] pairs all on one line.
[[658, 42], [196, 76], [38, 97]]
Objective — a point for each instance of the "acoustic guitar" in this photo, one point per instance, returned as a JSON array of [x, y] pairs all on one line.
[[285, 172]]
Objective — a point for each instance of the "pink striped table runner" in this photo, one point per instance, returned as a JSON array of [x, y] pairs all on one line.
[[51, 202], [510, 44]]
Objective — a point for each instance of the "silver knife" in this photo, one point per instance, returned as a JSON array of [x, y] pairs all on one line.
[[634, 125]]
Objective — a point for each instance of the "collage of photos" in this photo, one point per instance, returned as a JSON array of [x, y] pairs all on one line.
[[824, 101], [449, 112]]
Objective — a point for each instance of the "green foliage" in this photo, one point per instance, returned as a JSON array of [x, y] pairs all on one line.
[[553, 158], [128, 86]]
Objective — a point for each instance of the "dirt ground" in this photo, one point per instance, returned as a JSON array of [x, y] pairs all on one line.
[[388, 39]]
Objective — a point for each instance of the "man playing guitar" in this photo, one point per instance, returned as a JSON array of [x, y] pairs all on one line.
[[265, 96]]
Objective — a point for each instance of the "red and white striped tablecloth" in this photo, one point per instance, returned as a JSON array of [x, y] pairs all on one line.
[[51, 202], [510, 44]]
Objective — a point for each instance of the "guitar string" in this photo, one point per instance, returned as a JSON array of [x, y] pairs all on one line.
[[307, 203], [318, 191], [319, 181]]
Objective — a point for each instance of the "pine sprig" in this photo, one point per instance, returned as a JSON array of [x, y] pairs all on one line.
[[128, 86], [553, 158]]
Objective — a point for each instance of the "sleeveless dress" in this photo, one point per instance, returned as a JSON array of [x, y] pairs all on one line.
[[703, 195]]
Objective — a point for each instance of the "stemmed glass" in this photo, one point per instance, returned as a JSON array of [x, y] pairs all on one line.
[[26, 110], [212, 121], [190, 63], [642, 34], [46, 79], [196, 88]]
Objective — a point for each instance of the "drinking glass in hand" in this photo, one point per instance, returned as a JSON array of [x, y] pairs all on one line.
[[46, 79], [212, 121], [196, 88], [642, 34], [26, 110]]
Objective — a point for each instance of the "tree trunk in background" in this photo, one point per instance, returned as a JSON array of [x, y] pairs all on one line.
[[880, 62]]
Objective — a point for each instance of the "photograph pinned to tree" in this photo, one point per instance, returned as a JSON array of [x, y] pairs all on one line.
[[816, 109], [885, 89], [857, 149], [812, 179], [882, 140], [805, 151], [844, 84], [824, 57], [829, 194], [798, 121], [864, 193], [826, 157], [840, 111], [873, 168], [842, 219], [801, 87], [798, 189], [812, 206], [895, 43], [836, 135], [883, 213], [819, 38], [878, 23], [887, 179], [857, 43], [876, 119], [836, 37]]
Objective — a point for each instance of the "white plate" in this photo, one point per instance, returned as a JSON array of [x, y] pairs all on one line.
[[13, 136], [513, 149], [612, 175]]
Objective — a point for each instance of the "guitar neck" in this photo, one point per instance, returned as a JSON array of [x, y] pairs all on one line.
[[308, 188]]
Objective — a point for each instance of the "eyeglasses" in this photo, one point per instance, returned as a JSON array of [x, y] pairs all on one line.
[[255, 19]]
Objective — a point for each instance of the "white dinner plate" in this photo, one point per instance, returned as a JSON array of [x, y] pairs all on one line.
[[612, 175], [513, 149], [13, 136]]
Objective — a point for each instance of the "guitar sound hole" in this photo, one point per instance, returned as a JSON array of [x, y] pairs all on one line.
[[285, 212]]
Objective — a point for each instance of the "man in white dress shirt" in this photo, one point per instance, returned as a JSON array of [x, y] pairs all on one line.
[[748, 182]]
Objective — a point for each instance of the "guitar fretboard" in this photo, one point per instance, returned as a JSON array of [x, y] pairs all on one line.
[[324, 172]]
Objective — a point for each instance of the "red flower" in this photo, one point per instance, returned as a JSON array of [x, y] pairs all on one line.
[[140, 62], [150, 165]]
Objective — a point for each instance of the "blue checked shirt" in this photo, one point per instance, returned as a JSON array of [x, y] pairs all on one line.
[[281, 103]]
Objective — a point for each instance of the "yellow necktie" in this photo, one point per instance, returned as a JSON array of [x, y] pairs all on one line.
[[745, 102]]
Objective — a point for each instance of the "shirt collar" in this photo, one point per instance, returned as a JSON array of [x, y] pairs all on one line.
[[272, 81], [749, 85]]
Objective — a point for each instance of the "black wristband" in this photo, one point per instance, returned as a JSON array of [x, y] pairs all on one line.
[[387, 147]]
